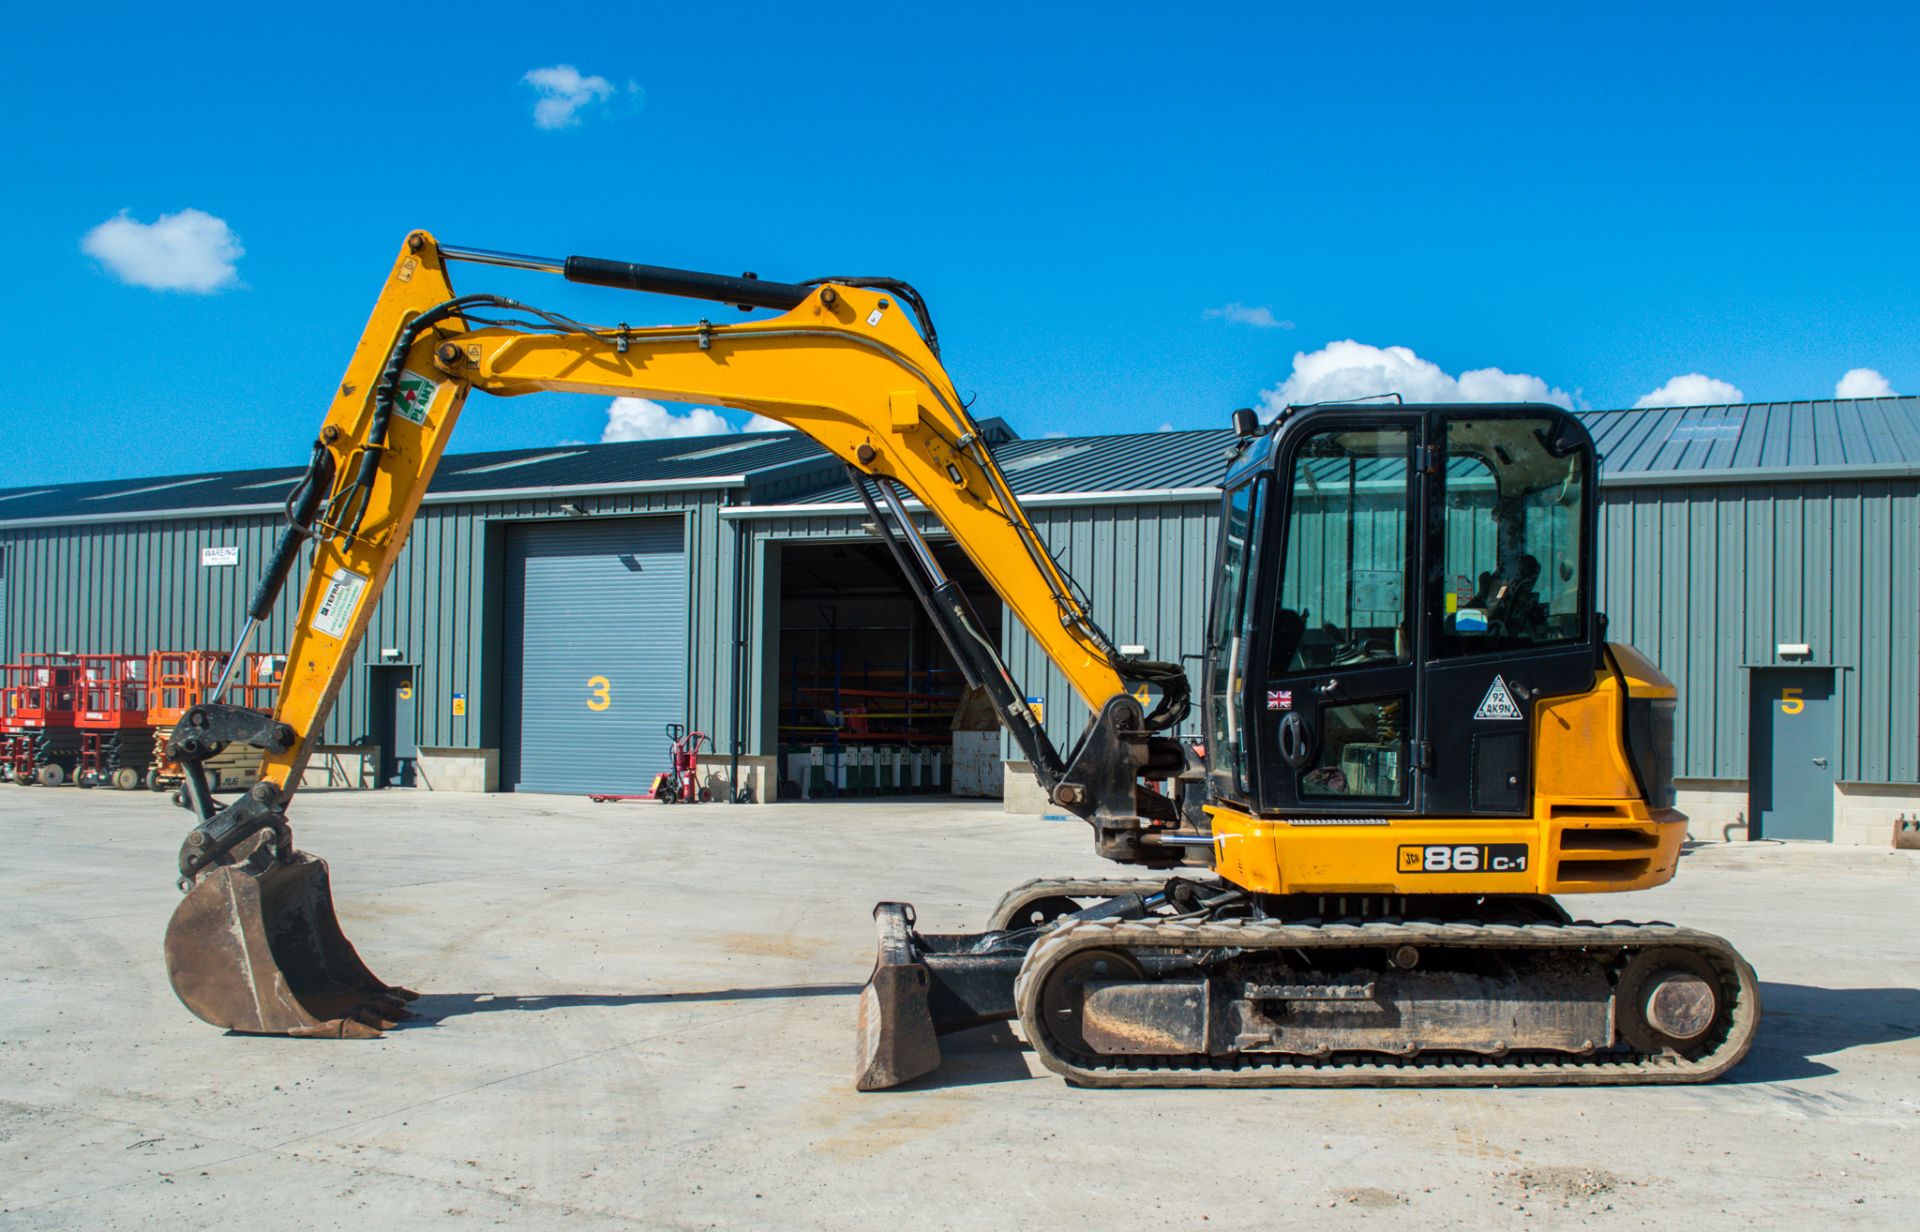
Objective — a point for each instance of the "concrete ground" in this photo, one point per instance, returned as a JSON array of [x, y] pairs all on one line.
[[638, 1016]]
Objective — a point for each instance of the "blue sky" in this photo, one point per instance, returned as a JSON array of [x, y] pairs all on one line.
[[1600, 197]]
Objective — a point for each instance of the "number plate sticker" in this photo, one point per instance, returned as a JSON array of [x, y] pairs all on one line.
[[1464, 858]]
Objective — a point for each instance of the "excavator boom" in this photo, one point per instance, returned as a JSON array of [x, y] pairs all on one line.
[[852, 363]]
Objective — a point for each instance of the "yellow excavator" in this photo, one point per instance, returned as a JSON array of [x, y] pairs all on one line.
[[1414, 733]]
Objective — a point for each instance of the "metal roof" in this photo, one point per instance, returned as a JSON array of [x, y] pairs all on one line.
[[1759, 440], [743, 460], [1149, 462]]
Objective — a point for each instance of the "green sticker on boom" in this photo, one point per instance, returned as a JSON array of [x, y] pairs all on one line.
[[414, 397]]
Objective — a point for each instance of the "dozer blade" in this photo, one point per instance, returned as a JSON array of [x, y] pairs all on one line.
[[925, 985], [262, 952], [896, 1039]]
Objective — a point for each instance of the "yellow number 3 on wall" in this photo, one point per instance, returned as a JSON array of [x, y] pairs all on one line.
[[1791, 702], [599, 693]]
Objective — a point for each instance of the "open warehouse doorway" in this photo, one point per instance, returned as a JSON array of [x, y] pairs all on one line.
[[868, 692]]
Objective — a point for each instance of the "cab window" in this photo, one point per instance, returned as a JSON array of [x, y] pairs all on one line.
[[1514, 514], [1343, 595], [1228, 636]]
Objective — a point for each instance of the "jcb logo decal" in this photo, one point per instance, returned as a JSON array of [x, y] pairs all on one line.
[[1464, 858]]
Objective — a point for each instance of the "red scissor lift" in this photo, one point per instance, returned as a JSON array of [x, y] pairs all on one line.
[[116, 737], [13, 737], [41, 743], [179, 680]]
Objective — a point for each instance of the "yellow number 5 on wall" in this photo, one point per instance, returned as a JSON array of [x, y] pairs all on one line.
[[1791, 702], [599, 693]]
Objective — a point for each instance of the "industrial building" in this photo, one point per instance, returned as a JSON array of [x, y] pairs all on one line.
[[557, 608]]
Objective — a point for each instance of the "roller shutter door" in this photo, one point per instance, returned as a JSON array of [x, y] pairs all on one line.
[[596, 646]]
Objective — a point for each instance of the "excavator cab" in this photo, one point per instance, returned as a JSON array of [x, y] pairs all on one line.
[[1396, 586]]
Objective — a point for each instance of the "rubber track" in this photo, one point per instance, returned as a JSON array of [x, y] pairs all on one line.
[[1084, 887], [1450, 1069]]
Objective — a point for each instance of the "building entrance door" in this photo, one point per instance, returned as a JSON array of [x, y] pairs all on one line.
[[1792, 754], [395, 726]]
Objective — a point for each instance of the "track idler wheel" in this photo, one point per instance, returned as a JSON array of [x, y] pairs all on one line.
[[260, 951], [1668, 1000]]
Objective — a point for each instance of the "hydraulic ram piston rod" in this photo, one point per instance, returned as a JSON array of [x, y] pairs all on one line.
[[743, 290]]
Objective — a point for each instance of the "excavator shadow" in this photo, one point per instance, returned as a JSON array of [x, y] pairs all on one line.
[[974, 1057], [433, 1008], [1800, 1023]]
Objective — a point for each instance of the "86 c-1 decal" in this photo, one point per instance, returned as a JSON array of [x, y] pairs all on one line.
[[1464, 858]]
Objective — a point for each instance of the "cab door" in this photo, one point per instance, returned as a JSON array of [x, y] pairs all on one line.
[[1510, 613], [1339, 700]]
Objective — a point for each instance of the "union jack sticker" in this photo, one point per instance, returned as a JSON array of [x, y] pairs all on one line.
[[1279, 699]]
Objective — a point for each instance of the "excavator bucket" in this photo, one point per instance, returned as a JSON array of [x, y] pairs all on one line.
[[261, 952], [896, 1039]]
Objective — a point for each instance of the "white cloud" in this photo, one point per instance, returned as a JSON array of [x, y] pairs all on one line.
[[1241, 314], [565, 91], [1693, 389], [189, 251], [1349, 369], [1165, 427], [641, 419], [1863, 383]]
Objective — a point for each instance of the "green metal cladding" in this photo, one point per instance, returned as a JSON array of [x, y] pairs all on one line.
[[1768, 525]]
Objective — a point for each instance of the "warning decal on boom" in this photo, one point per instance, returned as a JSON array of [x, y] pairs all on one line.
[[1498, 703]]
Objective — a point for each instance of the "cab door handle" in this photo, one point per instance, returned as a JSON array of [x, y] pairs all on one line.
[[1296, 741]]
